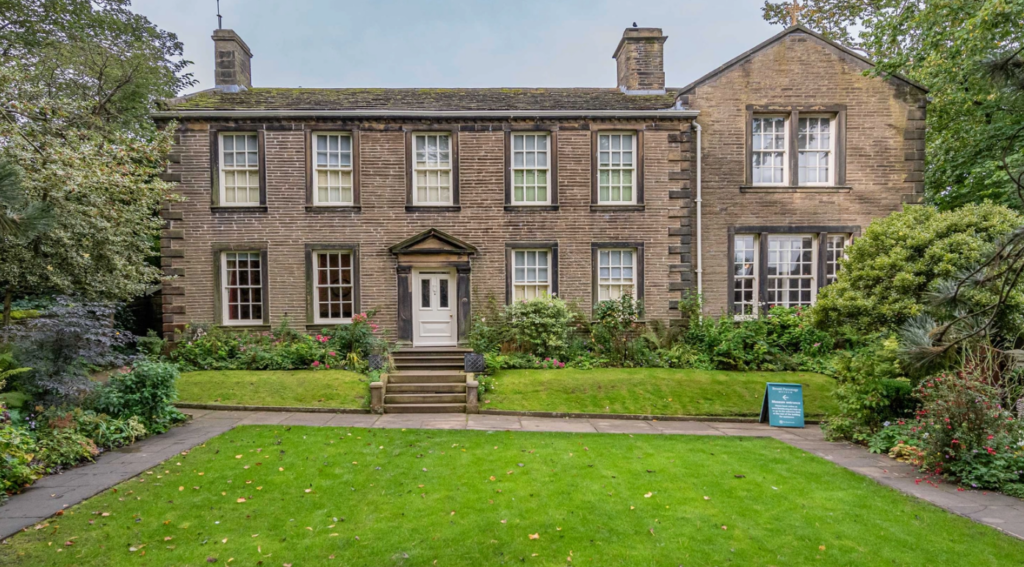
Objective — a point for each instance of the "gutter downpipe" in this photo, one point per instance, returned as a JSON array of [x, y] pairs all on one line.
[[700, 249]]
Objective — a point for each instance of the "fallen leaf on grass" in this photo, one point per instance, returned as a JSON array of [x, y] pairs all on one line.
[[821, 547], [648, 495], [240, 500], [535, 536]]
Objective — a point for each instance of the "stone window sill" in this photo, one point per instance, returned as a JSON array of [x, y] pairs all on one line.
[[333, 208], [795, 189], [245, 209], [433, 209], [529, 208], [244, 327], [616, 208]]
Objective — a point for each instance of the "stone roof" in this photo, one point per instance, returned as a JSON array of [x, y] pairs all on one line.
[[488, 99]]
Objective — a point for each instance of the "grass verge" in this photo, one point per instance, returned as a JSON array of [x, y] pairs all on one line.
[[650, 391], [333, 496], [296, 388]]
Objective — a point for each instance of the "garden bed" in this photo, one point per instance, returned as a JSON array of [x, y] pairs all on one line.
[[649, 391], [388, 496], [280, 388]]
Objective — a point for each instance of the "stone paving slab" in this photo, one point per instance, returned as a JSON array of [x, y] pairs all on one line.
[[57, 492]]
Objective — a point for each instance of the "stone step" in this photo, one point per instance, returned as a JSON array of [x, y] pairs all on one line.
[[430, 364], [426, 376], [425, 408], [396, 399], [407, 355], [428, 388]]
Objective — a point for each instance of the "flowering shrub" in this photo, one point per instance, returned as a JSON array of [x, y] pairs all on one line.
[[340, 347], [551, 363], [966, 434]]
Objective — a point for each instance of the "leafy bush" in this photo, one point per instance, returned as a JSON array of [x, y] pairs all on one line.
[[63, 344], [518, 360], [63, 447], [966, 433], [889, 270], [892, 435], [784, 339], [488, 330], [870, 390], [147, 392], [151, 345], [17, 451], [616, 324], [540, 326]]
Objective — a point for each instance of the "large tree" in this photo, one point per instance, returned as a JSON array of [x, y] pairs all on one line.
[[77, 81], [949, 47]]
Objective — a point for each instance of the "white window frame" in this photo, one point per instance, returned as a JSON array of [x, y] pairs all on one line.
[[785, 151], [834, 263], [226, 287], [830, 181], [526, 284], [609, 280], [631, 170], [316, 168], [755, 277], [547, 152], [223, 170], [316, 286], [813, 277], [450, 169]]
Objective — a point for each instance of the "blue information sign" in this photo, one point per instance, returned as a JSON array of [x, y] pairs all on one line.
[[783, 405]]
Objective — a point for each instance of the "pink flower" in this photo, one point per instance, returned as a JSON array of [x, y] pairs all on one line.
[[328, 366], [316, 363], [331, 353]]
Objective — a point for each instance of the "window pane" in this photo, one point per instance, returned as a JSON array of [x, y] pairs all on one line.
[[425, 293], [443, 297]]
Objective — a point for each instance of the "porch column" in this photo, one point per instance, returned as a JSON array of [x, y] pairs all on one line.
[[405, 303]]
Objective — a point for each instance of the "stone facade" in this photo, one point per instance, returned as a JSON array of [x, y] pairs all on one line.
[[196, 230], [884, 145], [880, 157]]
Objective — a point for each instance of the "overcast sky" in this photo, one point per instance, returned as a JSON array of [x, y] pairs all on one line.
[[457, 43]]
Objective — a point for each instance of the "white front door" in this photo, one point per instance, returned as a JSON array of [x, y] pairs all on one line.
[[434, 308]]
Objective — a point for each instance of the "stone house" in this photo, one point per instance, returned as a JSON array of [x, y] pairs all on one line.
[[313, 205]]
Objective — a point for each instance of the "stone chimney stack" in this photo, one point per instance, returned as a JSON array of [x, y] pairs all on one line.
[[640, 58], [232, 57]]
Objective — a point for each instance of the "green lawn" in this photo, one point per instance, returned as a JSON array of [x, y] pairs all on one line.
[[650, 391], [335, 496], [298, 388]]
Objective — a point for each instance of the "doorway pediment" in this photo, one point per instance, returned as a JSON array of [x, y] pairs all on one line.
[[433, 241]]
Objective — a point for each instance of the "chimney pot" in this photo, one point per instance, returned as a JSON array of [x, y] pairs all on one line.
[[232, 62], [640, 59]]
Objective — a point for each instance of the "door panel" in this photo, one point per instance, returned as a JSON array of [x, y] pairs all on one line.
[[434, 318]]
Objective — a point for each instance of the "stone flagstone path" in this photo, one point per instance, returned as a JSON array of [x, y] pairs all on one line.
[[54, 493]]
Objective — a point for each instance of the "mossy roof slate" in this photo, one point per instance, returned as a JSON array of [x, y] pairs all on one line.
[[491, 99]]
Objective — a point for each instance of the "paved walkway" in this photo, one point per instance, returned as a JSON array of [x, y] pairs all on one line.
[[57, 492]]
